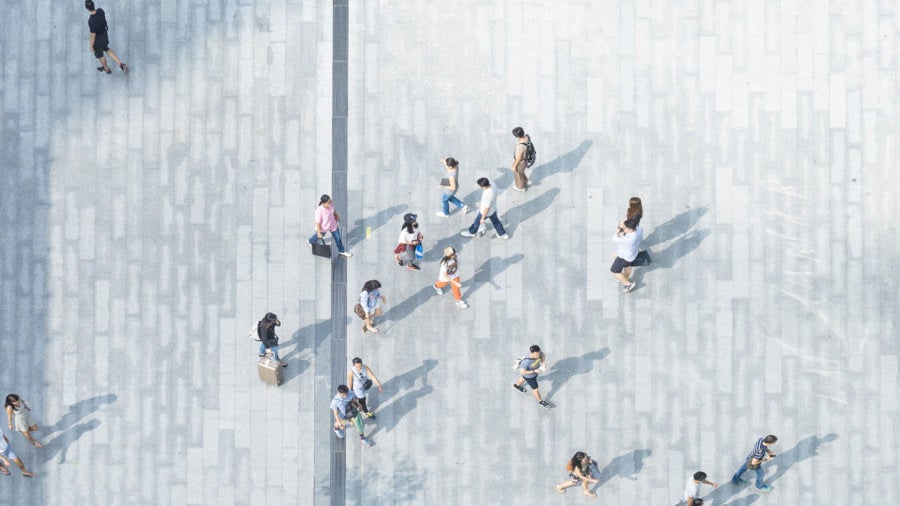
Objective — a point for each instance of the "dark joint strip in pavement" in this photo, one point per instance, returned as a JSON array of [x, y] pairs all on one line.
[[339, 103]]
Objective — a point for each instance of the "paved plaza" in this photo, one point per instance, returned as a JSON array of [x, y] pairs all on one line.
[[149, 219]]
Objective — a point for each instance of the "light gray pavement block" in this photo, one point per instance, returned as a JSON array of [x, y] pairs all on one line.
[[148, 220]]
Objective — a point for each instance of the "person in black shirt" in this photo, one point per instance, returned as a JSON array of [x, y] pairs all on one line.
[[100, 38], [265, 329]]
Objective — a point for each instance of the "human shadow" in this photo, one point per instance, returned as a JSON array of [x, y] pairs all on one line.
[[806, 448], [564, 163], [61, 443], [484, 274], [80, 410], [743, 501], [399, 311], [311, 336], [529, 209], [358, 231], [563, 370], [673, 228], [387, 418], [669, 256], [625, 466], [500, 182]]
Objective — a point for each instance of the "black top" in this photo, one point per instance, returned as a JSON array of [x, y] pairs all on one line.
[[98, 26], [267, 336]]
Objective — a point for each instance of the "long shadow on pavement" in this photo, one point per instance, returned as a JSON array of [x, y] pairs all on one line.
[[565, 163], [562, 371], [673, 228], [483, 274], [61, 443], [80, 410], [405, 308], [625, 466], [358, 232], [391, 413], [523, 212], [66, 434]]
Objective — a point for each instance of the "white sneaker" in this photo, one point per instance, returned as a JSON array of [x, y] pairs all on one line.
[[346, 254], [442, 215], [462, 304], [466, 233], [437, 290], [465, 209], [504, 236]]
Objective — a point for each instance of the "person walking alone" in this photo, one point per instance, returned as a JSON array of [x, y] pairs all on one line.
[[327, 220], [628, 237], [520, 159], [345, 408], [488, 210], [360, 378], [265, 329], [18, 417], [692, 490], [369, 305], [448, 194], [529, 367], [409, 240], [449, 274], [100, 38], [754, 461], [579, 467]]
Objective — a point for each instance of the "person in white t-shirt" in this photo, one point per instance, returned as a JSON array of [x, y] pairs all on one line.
[[692, 490], [487, 210], [450, 275], [628, 238], [409, 239]]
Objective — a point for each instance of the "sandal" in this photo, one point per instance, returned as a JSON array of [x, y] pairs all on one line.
[[123, 67], [399, 262], [372, 330], [28, 474], [561, 490], [37, 444], [5, 471]]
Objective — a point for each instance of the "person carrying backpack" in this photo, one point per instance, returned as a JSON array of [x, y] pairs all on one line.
[[523, 158]]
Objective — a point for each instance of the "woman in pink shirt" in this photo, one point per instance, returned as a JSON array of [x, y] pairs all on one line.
[[327, 221]]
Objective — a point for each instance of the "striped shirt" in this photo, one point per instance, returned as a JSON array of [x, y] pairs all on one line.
[[759, 451]]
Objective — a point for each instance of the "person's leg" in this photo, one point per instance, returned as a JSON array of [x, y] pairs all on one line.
[[410, 255], [336, 233], [498, 227], [114, 56], [519, 173], [537, 394], [103, 63], [21, 466], [30, 439], [627, 273], [313, 238], [621, 278], [262, 349], [455, 201], [759, 477], [358, 423], [445, 205], [362, 404], [563, 486], [477, 221], [454, 285], [586, 486], [737, 474]]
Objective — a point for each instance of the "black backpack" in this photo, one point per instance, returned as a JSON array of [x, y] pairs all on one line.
[[530, 155]]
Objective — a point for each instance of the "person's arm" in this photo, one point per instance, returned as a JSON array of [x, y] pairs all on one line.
[[337, 217], [364, 302], [93, 36], [690, 501], [452, 184], [375, 379], [710, 483], [484, 213], [9, 416], [518, 157], [350, 379], [319, 227], [544, 365], [337, 417]]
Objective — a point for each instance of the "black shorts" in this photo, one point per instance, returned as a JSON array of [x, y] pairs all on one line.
[[100, 48], [619, 264], [532, 382]]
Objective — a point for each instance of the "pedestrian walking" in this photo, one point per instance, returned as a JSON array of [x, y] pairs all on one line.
[[488, 210], [523, 157], [360, 378], [18, 417], [760, 454], [449, 274], [6, 452], [692, 490], [635, 210], [327, 220], [100, 38], [409, 240], [369, 305], [345, 407], [448, 193], [628, 237], [268, 340], [529, 367], [579, 468]]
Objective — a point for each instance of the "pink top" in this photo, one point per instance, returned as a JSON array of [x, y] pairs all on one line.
[[325, 219]]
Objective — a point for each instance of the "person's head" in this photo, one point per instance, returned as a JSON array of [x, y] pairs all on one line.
[[630, 224], [449, 252], [343, 390], [519, 132], [11, 400], [89, 5], [271, 319], [769, 440], [371, 285], [409, 222], [634, 204], [484, 182], [325, 200], [535, 351], [576, 460], [357, 363], [699, 476], [451, 162]]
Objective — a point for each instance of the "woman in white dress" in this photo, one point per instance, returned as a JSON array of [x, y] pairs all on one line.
[[18, 417]]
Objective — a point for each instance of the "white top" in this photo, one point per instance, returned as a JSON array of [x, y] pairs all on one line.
[[488, 200], [691, 490], [406, 237], [627, 244], [449, 270]]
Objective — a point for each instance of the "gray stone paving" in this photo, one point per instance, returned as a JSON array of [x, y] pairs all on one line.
[[148, 220]]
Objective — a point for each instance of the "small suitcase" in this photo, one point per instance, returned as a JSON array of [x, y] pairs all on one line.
[[270, 371]]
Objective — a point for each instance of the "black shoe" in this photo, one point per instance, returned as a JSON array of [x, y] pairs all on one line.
[[545, 404], [413, 267], [519, 388]]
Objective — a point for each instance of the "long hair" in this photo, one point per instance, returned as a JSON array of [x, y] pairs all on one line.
[[575, 461], [408, 226], [324, 199], [371, 285], [635, 209], [10, 399]]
